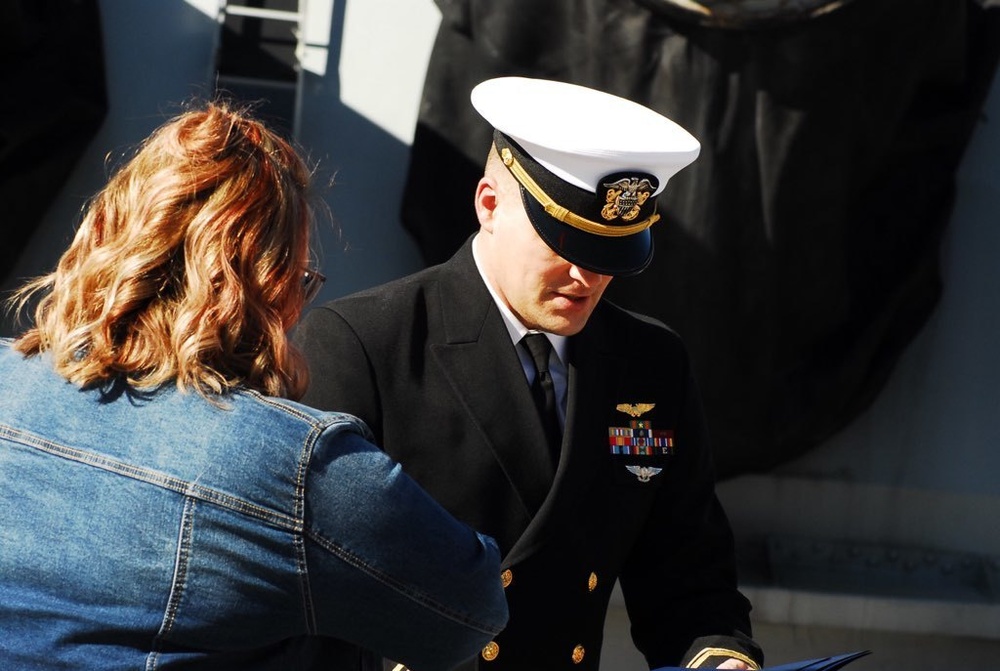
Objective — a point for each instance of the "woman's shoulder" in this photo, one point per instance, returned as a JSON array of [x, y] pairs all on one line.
[[276, 411]]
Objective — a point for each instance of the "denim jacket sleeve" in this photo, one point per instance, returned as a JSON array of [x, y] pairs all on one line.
[[388, 568]]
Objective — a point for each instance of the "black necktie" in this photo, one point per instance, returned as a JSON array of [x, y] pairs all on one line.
[[543, 389]]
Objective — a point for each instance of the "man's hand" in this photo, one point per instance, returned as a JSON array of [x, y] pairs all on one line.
[[733, 664]]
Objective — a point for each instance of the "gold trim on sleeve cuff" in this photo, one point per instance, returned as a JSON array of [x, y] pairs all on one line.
[[705, 653]]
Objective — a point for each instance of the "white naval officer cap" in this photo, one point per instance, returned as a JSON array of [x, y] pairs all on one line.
[[590, 165]]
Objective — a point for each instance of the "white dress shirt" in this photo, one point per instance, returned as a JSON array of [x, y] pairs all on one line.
[[517, 330]]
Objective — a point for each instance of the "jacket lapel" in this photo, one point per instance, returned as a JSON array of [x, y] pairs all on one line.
[[593, 376], [479, 361]]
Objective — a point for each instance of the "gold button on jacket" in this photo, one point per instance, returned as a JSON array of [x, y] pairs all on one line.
[[491, 651]]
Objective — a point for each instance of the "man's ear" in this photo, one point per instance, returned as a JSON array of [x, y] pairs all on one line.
[[486, 202]]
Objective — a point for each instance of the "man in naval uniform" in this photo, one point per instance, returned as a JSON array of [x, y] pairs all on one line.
[[590, 466]]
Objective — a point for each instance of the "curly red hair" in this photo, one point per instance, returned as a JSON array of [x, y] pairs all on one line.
[[187, 267]]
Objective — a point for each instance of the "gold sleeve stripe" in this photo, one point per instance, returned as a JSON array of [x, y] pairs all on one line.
[[721, 652], [560, 213]]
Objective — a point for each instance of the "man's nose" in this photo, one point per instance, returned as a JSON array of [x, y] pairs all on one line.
[[587, 277]]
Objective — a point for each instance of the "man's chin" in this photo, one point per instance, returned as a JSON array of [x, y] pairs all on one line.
[[564, 326]]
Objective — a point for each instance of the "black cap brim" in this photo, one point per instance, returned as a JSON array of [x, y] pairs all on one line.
[[618, 256]]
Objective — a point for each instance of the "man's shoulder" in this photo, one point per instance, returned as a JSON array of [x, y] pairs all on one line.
[[634, 335], [387, 298], [407, 297], [394, 287], [452, 273], [634, 324], [385, 316]]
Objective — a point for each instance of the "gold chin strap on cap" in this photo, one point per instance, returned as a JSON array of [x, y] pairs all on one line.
[[560, 213]]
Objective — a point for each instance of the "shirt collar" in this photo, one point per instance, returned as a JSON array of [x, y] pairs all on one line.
[[515, 328]]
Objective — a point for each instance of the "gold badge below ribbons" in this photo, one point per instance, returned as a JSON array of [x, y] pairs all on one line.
[[491, 651], [578, 653]]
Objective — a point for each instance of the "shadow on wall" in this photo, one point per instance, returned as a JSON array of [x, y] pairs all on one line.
[[52, 73], [148, 80], [365, 168]]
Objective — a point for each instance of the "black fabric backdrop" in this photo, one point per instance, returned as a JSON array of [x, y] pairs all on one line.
[[52, 102], [799, 254]]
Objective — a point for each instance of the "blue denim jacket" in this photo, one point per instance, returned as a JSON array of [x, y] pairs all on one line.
[[143, 531]]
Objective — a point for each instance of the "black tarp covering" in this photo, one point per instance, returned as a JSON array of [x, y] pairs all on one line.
[[800, 253], [52, 102]]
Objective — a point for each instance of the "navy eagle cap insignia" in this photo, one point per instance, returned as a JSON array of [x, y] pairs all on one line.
[[635, 409], [624, 197]]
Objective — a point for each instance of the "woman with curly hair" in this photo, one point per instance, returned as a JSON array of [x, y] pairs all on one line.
[[163, 499]]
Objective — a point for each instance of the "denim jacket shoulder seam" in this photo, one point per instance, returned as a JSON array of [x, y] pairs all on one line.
[[325, 420], [299, 510]]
